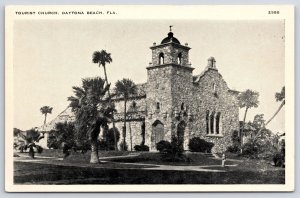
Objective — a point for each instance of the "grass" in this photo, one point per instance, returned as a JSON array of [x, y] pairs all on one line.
[[30, 173], [189, 159], [77, 170]]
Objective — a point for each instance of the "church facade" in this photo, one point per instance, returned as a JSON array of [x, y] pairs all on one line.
[[174, 102]]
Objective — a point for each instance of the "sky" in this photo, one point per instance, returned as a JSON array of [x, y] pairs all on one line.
[[51, 56]]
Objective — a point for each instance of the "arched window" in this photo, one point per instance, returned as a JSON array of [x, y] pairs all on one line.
[[212, 118], [218, 117], [182, 107], [161, 58], [179, 58], [207, 122]]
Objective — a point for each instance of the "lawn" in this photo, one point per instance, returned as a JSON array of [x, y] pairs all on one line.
[[131, 170], [30, 173]]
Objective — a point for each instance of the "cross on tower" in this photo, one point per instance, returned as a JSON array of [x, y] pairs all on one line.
[[171, 28]]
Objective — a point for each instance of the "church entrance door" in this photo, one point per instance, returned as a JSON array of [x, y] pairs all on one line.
[[158, 131], [180, 133]]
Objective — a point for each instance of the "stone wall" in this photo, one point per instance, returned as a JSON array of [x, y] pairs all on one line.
[[133, 133], [170, 52], [158, 91], [119, 106], [218, 100]]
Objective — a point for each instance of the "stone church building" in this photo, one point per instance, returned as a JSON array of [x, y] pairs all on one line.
[[175, 102]]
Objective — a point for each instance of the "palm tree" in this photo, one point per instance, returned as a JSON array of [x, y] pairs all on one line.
[[29, 139], [247, 99], [280, 97], [45, 110], [92, 111], [125, 88], [102, 58]]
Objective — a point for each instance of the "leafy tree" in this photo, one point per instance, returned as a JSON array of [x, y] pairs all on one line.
[[102, 58], [92, 110], [247, 99], [258, 122], [266, 143], [125, 88], [280, 97], [45, 110], [110, 138], [63, 132], [29, 138]]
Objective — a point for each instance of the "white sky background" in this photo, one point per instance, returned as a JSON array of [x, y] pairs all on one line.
[[52, 56]]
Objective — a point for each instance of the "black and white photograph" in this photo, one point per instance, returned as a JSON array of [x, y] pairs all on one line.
[[167, 98]]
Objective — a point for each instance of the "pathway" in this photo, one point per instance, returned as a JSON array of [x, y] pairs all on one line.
[[105, 164]]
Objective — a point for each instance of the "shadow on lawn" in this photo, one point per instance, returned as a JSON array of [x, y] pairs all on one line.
[[54, 174]]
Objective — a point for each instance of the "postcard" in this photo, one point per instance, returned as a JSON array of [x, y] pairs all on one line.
[[140, 98]]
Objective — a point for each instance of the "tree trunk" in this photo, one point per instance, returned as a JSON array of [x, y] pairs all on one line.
[[94, 151], [143, 133], [113, 120], [124, 132], [279, 108], [45, 118], [130, 136], [242, 129]]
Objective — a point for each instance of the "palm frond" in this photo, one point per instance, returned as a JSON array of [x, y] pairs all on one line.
[[101, 57]]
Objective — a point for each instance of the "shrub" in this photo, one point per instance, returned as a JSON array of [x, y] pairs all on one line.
[[176, 149], [39, 149], [279, 160], [171, 152], [250, 150], [102, 145], [163, 146], [123, 148], [199, 145], [141, 148], [233, 149], [110, 138]]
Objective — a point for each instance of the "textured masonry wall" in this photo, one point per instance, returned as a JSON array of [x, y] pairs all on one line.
[[140, 105], [135, 129], [224, 102], [170, 54], [158, 90]]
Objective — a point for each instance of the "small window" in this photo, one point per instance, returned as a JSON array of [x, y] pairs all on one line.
[[134, 104], [157, 106], [214, 87], [182, 107], [161, 58]]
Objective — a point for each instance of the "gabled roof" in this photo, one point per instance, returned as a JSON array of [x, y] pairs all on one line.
[[65, 116], [197, 78]]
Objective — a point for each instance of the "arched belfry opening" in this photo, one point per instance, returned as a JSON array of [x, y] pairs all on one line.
[[180, 133], [161, 58], [179, 59], [158, 131]]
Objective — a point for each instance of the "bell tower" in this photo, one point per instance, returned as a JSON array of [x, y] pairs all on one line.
[[169, 84], [170, 51]]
